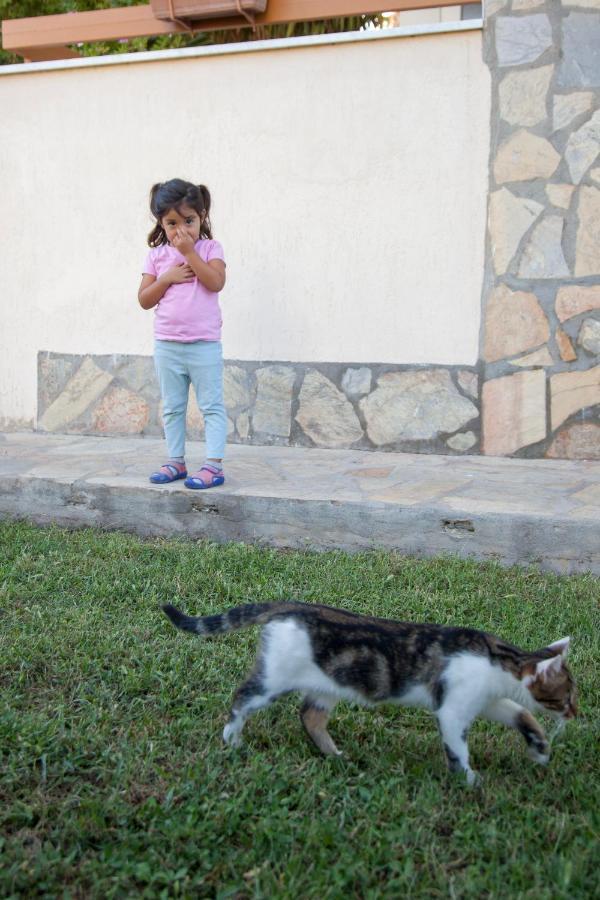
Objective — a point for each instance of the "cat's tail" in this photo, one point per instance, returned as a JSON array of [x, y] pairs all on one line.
[[238, 617]]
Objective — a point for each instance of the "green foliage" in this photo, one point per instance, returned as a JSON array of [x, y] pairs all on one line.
[[24, 8], [115, 783]]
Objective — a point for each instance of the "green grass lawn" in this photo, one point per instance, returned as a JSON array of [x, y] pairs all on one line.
[[115, 783]]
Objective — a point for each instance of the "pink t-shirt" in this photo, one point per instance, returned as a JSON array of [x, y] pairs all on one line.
[[188, 311]]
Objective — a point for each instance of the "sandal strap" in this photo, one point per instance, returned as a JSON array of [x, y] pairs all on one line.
[[214, 473], [174, 470]]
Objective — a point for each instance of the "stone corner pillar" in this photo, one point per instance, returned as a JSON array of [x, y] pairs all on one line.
[[540, 333]]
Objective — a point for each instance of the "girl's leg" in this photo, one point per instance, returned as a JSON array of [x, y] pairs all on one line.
[[174, 384], [206, 372]]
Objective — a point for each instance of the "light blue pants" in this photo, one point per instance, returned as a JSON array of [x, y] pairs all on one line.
[[177, 366]]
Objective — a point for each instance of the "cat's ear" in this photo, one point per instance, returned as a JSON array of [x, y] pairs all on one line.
[[546, 668], [561, 647]]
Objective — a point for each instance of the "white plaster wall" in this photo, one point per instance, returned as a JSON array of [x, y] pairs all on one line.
[[349, 184]]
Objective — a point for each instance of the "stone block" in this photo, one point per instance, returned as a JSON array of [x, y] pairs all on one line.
[[415, 405], [583, 147], [325, 415], [543, 255], [357, 382], [426, 491], [273, 406], [578, 441], [572, 391], [565, 347], [541, 357], [242, 424], [589, 336], [522, 39], [580, 66], [462, 441], [78, 395], [469, 382], [560, 194], [236, 389], [371, 472], [525, 156], [514, 412], [514, 322], [572, 300], [120, 411], [583, 4], [587, 248], [523, 95], [139, 375], [567, 107], [54, 373], [509, 218]]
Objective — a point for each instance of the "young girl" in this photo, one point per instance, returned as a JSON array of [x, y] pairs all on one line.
[[183, 274]]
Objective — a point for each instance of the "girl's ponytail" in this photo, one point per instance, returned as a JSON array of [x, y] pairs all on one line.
[[157, 236], [205, 228]]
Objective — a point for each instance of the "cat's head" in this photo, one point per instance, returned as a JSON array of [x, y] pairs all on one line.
[[549, 681]]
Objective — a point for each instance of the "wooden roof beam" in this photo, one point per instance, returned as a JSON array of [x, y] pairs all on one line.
[[35, 37]]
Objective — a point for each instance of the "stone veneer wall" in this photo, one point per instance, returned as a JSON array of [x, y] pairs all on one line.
[[541, 312], [425, 409]]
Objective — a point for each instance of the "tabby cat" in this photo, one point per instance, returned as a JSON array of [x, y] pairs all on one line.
[[458, 673]]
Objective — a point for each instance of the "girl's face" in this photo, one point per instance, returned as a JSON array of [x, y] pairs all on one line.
[[186, 219]]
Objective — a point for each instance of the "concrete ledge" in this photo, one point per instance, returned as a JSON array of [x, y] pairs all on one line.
[[515, 511]]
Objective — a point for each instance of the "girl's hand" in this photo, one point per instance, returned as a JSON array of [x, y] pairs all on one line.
[[183, 242], [179, 274]]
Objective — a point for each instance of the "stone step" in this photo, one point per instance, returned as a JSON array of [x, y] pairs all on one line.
[[542, 512]]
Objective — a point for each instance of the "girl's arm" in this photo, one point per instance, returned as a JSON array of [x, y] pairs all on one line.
[[153, 289], [210, 274]]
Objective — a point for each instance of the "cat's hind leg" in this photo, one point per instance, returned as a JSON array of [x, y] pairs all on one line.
[[515, 716], [314, 714], [250, 696]]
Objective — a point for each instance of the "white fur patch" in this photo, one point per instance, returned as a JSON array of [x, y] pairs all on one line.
[[290, 666], [472, 681], [417, 695]]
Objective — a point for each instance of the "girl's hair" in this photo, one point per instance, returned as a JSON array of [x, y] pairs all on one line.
[[172, 195]]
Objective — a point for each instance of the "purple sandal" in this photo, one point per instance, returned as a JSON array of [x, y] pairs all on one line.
[[198, 484], [169, 472]]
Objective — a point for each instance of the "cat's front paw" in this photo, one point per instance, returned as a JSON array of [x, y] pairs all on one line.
[[232, 736], [539, 754], [539, 750], [474, 779]]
